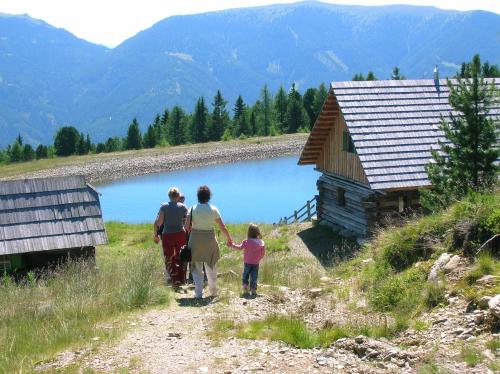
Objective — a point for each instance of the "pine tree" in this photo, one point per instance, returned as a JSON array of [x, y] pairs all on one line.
[[66, 140], [467, 162], [267, 110], [176, 133], [134, 138], [88, 144], [41, 152], [28, 153], [358, 77], [240, 118], [280, 105], [319, 99], [220, 118], [80, 145], [486, 71], [15, 152], [114, 145], [164, 127], [371, 76], [308, 101], [253, 122], [396, 74], [149, 140], [295, 113], [199, 122]]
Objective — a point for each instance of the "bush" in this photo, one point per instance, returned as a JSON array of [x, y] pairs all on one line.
[[434, 294]]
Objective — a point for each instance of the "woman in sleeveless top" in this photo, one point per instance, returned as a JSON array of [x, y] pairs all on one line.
[[203, 242]]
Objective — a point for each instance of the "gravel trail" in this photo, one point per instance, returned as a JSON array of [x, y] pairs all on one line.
[[105, 167]]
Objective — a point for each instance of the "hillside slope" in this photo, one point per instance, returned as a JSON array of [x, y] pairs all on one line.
[[238, 51]]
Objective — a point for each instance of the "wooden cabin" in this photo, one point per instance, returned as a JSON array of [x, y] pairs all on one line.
[[44, 220], [371, 143]]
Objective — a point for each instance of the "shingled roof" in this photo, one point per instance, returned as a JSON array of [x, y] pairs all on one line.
[[49, 213], [394, 124]]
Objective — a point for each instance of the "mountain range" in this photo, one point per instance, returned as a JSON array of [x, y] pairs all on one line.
[[50, 78]]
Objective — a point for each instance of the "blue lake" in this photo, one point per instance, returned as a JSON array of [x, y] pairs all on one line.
[[257, 191]]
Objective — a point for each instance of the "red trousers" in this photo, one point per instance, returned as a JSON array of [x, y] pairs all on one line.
[[172, 244]]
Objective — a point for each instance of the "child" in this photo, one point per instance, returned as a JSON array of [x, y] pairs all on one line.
[[253, 251]]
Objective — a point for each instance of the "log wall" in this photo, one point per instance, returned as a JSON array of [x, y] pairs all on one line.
[[362, 208]]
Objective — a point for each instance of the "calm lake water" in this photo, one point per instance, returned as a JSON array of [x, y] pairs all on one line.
[[257, 191]]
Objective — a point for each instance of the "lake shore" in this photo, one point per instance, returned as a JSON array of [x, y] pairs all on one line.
[[106, 167]]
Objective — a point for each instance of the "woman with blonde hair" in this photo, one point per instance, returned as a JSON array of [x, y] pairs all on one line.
[[201, 220], [172, 216]]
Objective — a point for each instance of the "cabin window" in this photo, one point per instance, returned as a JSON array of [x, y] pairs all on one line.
[[340, 196], [347, 143]]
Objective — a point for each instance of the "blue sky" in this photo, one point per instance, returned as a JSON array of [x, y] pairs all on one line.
[[109, 22]]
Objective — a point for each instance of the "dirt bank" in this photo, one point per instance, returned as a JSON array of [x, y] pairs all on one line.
[[105, 167]]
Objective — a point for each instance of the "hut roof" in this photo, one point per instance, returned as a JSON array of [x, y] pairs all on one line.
[[394, 124], [49, 213]]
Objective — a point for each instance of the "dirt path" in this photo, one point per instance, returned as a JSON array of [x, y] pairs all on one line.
[[181, 338]]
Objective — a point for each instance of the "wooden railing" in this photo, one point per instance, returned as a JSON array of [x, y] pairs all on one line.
[[304, 214]]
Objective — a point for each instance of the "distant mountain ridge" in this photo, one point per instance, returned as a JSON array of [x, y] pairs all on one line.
[[50, 78]]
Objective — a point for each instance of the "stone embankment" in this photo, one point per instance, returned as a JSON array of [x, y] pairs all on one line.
[[105, 167]]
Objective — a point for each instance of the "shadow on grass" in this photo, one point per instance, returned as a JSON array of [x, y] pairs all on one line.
[[327, 245]]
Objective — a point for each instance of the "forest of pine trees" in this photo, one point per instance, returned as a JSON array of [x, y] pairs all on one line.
[[285, 112]]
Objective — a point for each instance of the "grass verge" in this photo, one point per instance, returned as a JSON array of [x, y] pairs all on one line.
[[78, 303]]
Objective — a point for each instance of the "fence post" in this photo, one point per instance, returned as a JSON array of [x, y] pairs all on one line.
[[308, 210], [295, 218]]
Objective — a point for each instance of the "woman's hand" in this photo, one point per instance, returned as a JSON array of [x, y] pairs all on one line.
[[156, 238]]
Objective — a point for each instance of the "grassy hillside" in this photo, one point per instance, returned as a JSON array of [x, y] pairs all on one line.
[[381, 290]]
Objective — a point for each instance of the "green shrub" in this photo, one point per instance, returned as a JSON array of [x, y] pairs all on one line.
[[434, 294], [471, 356]]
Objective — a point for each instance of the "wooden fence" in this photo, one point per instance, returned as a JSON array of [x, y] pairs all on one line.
[[304, 214]]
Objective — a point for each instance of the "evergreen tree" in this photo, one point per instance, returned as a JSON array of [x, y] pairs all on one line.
[[88, 144], [240, 118], [150, 136], [220, 118], [358, 77], [163, 139], [396, 74], [371, 76], [267, 110], [100, 148], [15, 152], [486, 71], [81, 145], [134, 138], [308, 101], [113, 145], [199, 122], [41, 152], [253, 122], [319, 99], [296, 117], [176, 133], [28, 153], [467, 162], [19, 139], [281, 105], [66, 140]]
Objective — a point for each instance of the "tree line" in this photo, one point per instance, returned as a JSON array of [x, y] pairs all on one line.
[[282, 113]]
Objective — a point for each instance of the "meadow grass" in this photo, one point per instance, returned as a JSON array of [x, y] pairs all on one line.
[[292, 330], [79, 303]]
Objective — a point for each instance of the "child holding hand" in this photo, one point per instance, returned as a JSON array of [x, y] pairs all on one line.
[[253, 251]]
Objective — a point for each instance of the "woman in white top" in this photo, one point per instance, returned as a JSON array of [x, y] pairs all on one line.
[[202, 218]]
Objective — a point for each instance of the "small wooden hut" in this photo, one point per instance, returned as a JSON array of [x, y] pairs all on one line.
[[371, 143], [43, 220]]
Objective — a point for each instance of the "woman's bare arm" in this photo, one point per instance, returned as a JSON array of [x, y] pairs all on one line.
[[224, 229], [158, 222]]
